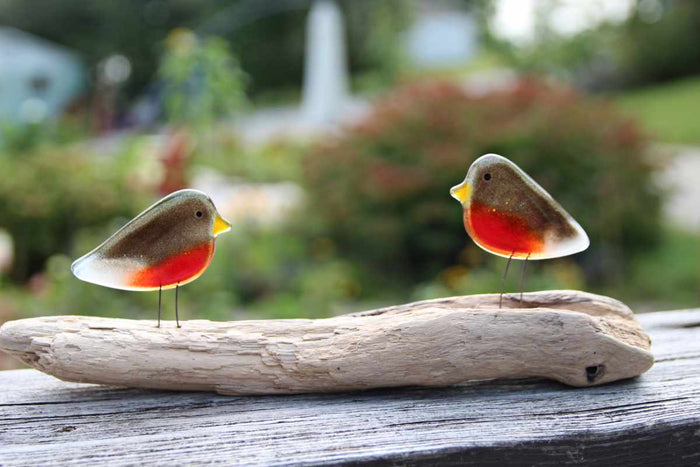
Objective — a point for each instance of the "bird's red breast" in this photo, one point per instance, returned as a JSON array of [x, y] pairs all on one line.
[[502, 232], [177, 269]]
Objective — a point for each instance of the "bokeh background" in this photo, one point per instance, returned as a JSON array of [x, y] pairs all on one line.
[[330, 131]]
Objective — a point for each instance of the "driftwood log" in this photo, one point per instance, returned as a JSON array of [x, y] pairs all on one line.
[[573, 337]]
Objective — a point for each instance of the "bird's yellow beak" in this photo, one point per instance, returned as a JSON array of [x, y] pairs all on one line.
[[461, 192], [221, 225]]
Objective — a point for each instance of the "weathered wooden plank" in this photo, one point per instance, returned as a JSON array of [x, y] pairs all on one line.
[[653, 419]]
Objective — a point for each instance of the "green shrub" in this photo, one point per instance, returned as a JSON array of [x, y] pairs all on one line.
[[382, 185], [202, 80], [20, 138], [48, 195]]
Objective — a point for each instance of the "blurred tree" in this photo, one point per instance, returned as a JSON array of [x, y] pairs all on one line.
[[267, 35], [660, 41], [583, 58], [202, 83], [657, 42]]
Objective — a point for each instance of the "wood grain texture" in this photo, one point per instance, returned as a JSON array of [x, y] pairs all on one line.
[[573, 337], [650, 420]]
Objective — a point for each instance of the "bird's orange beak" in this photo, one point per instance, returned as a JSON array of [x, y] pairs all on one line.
[[461, 192], [221, 225]]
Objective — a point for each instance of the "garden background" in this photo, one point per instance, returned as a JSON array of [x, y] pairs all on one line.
[[330, 132]]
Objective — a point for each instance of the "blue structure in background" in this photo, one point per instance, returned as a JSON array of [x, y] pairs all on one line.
[[38, 79]]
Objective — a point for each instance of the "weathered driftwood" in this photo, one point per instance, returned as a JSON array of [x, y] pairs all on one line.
[[574, 337]]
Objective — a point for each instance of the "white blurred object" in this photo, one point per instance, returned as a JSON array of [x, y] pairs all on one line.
[[650, 11], [266, 204], [680, 179], [325, 70], [442, 37], [263, 125], [115, 69], [514, 20], [517, 20], [6, 249]]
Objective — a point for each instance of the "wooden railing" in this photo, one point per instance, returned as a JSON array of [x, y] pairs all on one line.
[[650, 420]]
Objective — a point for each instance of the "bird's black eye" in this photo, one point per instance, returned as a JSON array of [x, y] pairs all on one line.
[[198, 214], [487, 176]]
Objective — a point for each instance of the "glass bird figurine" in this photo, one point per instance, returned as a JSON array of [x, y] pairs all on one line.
[[508, 214], [168, 245]]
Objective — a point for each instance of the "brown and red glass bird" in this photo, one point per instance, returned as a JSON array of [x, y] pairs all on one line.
[[168, 245], [508, 214]]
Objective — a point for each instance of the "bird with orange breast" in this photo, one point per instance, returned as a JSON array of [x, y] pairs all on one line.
[[508, 214], [168, 245]]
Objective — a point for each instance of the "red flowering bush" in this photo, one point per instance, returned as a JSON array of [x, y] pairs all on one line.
[[382, 185]]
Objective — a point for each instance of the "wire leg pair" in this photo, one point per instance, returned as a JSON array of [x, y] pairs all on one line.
[[522, 279]]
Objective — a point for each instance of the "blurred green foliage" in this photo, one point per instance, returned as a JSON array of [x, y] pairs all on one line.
[[664, 277], [660, 46], [19, 138], [278, 160], [567, 58], [202, 81], [49, 194], [382, 186], [656, 43]]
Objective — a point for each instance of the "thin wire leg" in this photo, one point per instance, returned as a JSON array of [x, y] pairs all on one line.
[[522, 277], [160, 290], [503, 281], [177, 318]]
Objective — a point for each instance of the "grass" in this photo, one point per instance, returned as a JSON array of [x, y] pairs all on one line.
[[669, 111], [665, 277]]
